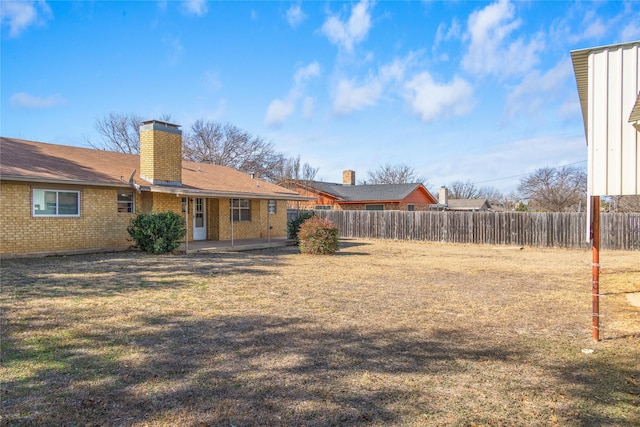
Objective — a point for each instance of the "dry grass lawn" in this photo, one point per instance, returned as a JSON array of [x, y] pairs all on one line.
[[382, 333]]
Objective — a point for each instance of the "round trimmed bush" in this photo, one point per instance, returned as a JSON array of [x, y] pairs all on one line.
[[318, 236], [158, 233]]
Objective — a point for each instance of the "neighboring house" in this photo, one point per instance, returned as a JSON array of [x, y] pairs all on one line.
[[349, 196], [61, 199], [447, 204]]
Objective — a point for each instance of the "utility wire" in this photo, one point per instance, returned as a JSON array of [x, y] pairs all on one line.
[[523, 174]]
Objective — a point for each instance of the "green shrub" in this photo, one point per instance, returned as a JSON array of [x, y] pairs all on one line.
[[293, 226], [158, 233], [318, 236]]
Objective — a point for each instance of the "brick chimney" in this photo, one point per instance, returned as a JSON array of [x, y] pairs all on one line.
[[349, 177], [443, 196], [161, 153]]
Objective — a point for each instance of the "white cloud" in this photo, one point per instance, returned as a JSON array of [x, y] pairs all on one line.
[[351, 97], [295, 15], [444, 34], [280, 109], [305, 73], [24, 100], [631, 31], [175, 49], [195, 7], [539, 89], [348, 33], [492, 50], [20, 15], [430, 100], [595, 30]]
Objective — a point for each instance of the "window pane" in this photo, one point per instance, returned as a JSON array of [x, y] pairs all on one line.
[[125, 202], [68, 203], [44, 202], [245, 203]]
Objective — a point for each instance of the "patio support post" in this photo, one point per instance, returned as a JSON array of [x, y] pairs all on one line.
[[186, 231], [231, 217]]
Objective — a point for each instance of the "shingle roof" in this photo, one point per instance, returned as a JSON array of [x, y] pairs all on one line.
[[366, 193], [36, 161], [467, 204]]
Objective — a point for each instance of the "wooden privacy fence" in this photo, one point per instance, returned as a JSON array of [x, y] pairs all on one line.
[[539, 229]]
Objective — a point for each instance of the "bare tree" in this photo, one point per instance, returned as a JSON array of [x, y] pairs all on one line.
[[292, 170], [463, 190], [227, 145], [393, 174], [492, 194], [120, 132], [555, 189], [625, 203]]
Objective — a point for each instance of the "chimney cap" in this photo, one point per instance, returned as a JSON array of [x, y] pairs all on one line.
[[160, 122]]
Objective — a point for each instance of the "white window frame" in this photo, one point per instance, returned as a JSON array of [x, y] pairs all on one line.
[[57, 203], [243, 212], [130, 205], [272, 207]]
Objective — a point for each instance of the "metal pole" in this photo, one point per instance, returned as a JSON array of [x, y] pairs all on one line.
[[231, 211], [186, 240], [268, 224], [595, 267]]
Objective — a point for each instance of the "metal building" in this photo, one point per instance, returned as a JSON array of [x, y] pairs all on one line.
[[608, 80]]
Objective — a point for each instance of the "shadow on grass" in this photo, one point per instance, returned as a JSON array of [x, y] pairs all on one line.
[[253, 370], [107, 274], [229, 370]]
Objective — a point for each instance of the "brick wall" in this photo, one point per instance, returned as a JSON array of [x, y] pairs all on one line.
[[160, 154], [258, 226], [100, 226]]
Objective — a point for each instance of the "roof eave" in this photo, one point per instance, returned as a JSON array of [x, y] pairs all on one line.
[[181, 191], [23, 178]]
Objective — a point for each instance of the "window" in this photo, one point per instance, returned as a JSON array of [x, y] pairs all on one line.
[[272, 207], [240, 210], [374, 207], [56, 203], [125, 202], [184, 205], [323, 207], [411, 208]]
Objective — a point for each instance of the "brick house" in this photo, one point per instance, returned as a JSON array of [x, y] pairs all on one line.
[[59, 199], [349, 196]]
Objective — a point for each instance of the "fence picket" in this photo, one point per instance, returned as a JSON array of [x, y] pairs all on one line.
[[539, 229]]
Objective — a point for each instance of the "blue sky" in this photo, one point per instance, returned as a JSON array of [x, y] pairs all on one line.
[[472, 91]]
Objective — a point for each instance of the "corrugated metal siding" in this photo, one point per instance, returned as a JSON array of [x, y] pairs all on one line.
[[608, 81]]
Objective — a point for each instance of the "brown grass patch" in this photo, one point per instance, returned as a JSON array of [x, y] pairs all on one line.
[[382, 333]]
